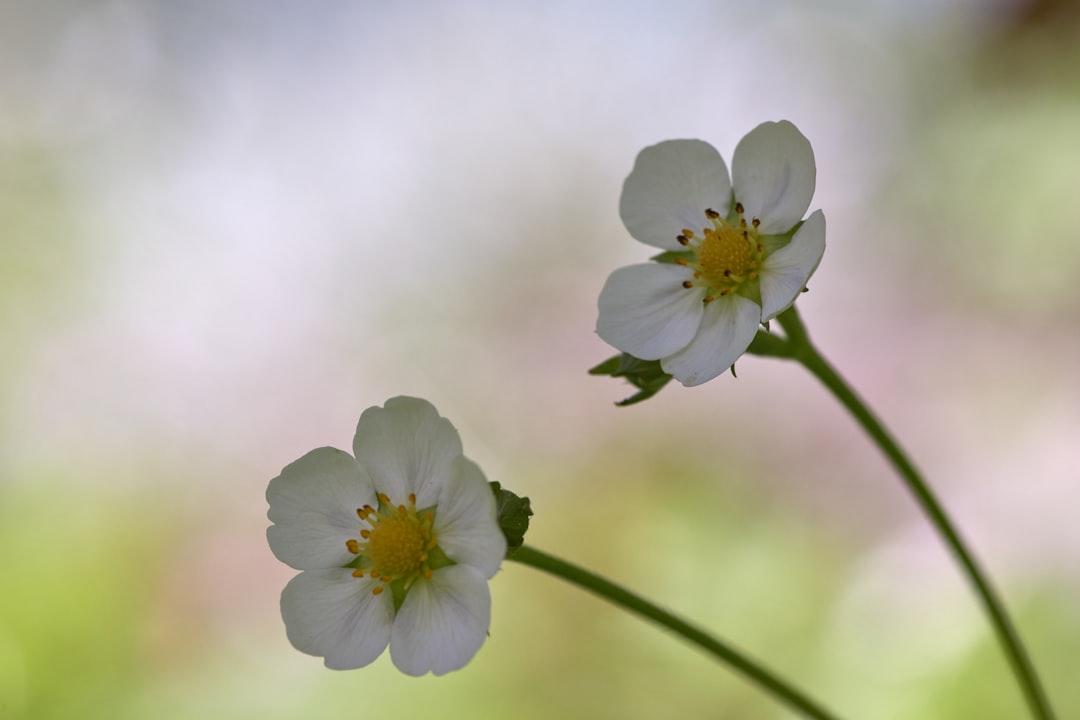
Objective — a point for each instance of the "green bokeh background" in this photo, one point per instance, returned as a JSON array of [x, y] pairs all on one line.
[[227, 228]]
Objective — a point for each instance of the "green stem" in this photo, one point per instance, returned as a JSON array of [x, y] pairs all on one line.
[[804, 352], [636, 604]]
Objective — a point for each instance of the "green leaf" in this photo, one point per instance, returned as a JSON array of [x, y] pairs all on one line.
[[512, 513], [769, 345], [673, 256], [646, 375]]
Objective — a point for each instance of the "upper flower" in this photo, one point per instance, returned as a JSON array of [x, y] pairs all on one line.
[[396, 545], [741, 254]]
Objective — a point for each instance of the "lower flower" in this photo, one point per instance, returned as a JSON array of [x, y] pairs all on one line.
[[396, 545]]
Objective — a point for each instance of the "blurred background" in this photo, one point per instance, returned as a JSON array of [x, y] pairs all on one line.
[[228, 228]]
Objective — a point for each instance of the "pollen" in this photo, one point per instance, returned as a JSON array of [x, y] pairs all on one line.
[[396, 545], [725, 253]]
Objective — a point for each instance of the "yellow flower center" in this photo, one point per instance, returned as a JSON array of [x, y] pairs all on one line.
[[726, 255], [396, 544]]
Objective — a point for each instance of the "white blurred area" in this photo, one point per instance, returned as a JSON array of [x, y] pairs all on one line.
[[230, 227]]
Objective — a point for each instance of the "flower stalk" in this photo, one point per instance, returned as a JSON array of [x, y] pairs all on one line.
[[802, 351], [617, 595]]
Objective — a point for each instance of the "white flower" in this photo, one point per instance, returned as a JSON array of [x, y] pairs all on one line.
[[396, 545], [740, 263]]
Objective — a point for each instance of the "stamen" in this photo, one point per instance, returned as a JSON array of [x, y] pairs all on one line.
[[711, 214], [687, 284], [412, 498], [739, 208], [683, 240], [377, 590], [365, 533], [384, 498], [688, 233], [756, 223], [352, 546], [358, 573]]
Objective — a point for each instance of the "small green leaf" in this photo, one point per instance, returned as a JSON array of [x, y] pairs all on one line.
[[769, 345], [646, 375], [512, 513], [673, 256]]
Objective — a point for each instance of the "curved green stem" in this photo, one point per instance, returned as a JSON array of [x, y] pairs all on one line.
[[638, 605], [804, 352]]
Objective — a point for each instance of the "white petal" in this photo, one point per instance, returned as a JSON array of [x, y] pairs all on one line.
[[408, 448], [646, 311], [465, 522], [669, 189], [331, 614], [726, 330], [442, 623], [784, 274], [774, 172], [313, 505]]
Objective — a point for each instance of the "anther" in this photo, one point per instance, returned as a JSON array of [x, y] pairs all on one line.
[[707, 299], [412, 498], [688, 233], [680, 261], [376, 590], [365, 533], [725, 291], [687, 284], [683, 240], [742, 223], [384, 498], [711, 214], [739, 208], [402, 510], [358, 573], [756, 222], [352, 546]]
